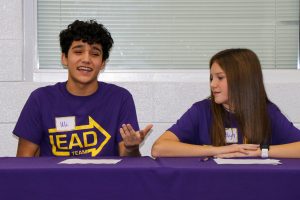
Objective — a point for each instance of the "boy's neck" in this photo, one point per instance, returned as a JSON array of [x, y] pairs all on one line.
[[79, 89]]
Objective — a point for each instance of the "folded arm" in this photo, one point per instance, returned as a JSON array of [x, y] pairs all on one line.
[[168, 145], [291, 150]]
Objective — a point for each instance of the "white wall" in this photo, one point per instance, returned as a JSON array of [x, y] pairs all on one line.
[[159, 102]]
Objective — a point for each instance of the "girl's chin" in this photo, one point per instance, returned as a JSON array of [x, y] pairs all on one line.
[[221, 102], [218, 101]]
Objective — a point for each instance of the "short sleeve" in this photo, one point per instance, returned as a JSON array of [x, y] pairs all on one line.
[[29, 125], [283, 131], [187, 125]]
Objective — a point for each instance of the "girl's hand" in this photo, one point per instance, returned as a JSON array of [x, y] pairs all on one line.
[[239, 150]]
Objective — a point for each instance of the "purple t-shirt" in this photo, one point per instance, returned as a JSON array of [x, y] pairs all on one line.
[[66, 125], [194, 126]]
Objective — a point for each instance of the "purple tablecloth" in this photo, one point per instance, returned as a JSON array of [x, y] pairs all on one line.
[[145, 178]]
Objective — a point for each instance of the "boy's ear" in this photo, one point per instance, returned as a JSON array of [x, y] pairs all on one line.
[[64, 60], [103, 65]]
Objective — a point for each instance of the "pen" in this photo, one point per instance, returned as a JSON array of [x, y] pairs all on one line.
[[206, 159]]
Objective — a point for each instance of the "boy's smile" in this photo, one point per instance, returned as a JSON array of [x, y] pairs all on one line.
[[84, 62]]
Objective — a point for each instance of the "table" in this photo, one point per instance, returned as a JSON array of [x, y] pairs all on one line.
[[146, 178]]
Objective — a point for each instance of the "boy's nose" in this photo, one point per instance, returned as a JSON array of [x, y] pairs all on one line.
[[86, 57]]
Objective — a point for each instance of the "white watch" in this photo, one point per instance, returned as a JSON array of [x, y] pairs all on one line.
[[264, 150], [264, 153]]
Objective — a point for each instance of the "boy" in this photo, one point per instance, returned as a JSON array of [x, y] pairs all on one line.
[[80, 117]]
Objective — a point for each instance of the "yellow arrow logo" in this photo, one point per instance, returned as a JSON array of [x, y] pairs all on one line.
[[93, 151]]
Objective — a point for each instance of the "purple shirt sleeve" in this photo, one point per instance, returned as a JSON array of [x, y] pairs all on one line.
[[283, 131], [29, 124], [186, 127]]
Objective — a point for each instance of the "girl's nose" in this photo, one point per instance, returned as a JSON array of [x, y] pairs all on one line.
[[213, 83]]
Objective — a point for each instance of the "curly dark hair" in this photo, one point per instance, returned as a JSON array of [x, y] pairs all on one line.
[[87, 31]]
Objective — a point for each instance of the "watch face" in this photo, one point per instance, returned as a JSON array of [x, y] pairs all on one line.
[[264, 146]]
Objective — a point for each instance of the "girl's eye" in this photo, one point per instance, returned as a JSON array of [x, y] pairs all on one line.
[[221, 77]]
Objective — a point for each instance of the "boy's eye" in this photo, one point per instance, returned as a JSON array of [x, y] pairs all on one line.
[[95, 54]]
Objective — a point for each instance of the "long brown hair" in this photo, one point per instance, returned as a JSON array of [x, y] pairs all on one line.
[[246, 96]]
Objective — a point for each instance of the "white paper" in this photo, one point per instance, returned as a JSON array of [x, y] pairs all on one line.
[[90, 161], [221, 161]]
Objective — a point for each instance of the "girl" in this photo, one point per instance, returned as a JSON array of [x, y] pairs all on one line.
[[237, 120]]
